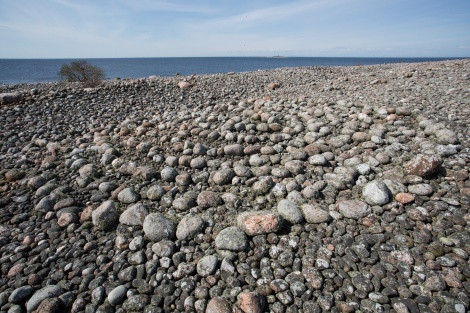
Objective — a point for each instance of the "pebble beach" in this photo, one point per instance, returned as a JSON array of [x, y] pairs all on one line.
[[311, 189]]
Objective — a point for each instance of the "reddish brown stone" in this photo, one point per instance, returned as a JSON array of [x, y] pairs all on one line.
[[34, 279], [184, 160], [273, 86], [86, 214], [183, 179], [218, 305], [28, 240], [53, 147], [145, 172], [140, 131], [433, 265], [185, 85], [465, 191], [66, 219], [90, 246], [417, 214], [367, 222], [265, 116], [251, 149], [346, 307], [49, 215], [132, 142], [124, 131], [148, 124], [404, 198], [64, 203], [48, 161], [250, 302], [451, 278], [208, 199], [116, 191], [461, 175], [312, 149], [13, 175], [259, 222], [128, 168], [15, 269], [50, 305], [87, 170], [211, 280], [423, 165], [403, 111]]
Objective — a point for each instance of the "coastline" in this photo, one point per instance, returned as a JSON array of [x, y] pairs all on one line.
[[40, 69], [319, 188]]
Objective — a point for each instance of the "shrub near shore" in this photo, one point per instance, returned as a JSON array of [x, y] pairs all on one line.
[[83, 72]]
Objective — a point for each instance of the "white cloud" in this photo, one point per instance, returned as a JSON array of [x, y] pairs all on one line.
[[171, 6], [270, 14], [74, 5]]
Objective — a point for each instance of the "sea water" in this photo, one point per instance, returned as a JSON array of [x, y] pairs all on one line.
[[15, 71]]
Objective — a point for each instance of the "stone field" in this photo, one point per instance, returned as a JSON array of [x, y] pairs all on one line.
[[317, 189]]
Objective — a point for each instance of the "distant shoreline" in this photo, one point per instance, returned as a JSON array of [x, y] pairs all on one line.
[[207, 66], [247, 57]]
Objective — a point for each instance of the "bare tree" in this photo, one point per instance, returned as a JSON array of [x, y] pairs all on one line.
[[80, 71]]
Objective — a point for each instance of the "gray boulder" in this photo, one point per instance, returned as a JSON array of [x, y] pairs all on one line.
[[157, 227], [45, 205], [376, 192], [134, 215], [315, 215], [231, 238], [169, 174], [189, 227], [207, 265], [155, 192], [47, 292], [223, 177], [353, 209], [290, 211], [117, 295], [20, 294], [446, 136], [128, 195], [105, 216], [234, 150], [10, 97]]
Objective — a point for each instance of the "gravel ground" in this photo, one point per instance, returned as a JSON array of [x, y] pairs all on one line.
[[318, 189]]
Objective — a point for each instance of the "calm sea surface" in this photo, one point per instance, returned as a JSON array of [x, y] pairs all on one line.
[[14, 71]]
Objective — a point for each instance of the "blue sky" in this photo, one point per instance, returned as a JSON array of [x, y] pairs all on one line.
[[160, 28]]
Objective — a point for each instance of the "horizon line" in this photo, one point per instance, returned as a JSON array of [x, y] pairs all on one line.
[[247, 56]]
